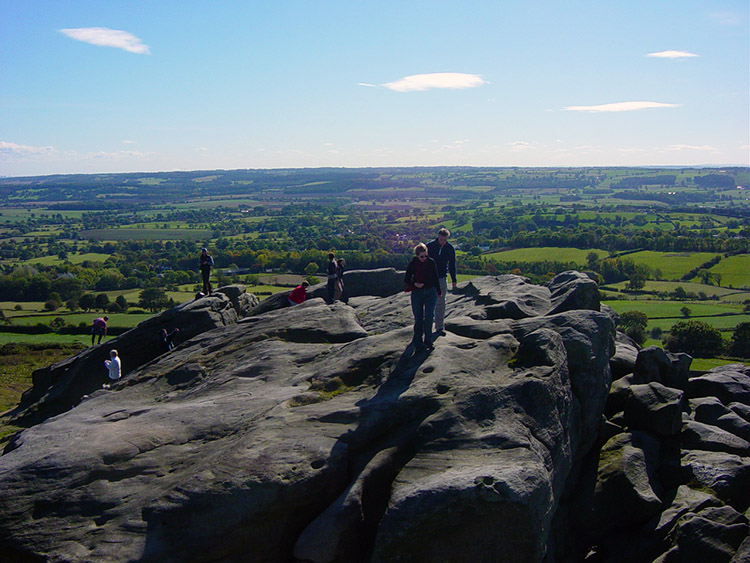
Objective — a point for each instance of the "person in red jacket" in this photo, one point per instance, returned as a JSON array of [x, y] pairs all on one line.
[[421, 280], [298, 294]]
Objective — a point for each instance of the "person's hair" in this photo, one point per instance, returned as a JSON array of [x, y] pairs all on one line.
[[106, 318], [113, 352], [341, 261], [305, 283], [420, 248], [204, 250], [330, 256], [444, 232]]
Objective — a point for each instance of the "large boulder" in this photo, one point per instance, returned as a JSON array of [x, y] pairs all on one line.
[[729, 383], [573, 290], [655, 408], [654, 364], [316, 432]]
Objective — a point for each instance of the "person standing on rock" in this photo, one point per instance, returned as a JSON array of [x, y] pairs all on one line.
[[444, 255], [205, 263], [298, 294], [421, 280], [340, 263], [99, 328], [113, 367], [331, 274]]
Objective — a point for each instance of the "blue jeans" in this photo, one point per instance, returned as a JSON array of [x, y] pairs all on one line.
[[423, 307]]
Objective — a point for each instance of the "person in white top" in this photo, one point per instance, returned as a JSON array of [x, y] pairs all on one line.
[[113, 366]]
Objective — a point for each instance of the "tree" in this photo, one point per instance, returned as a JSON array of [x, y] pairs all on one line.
[[637, 281], [705, 276], [87, 302], [102, 300], [685, 311], [739, 347], [72, 304], [633, 323], [679, 292], [153, 299], [696, 338], [592, 259], [311, 268], [122, 302]]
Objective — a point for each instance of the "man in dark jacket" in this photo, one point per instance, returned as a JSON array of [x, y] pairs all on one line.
[[444, 255], [331, 274], [205, 263], [421, 280]]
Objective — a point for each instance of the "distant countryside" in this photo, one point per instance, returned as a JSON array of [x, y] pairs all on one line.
[[669, 246]]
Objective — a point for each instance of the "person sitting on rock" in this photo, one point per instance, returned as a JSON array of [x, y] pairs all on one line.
[[421, 280], [99, 328], [113, 367], [298, 294], [166, 340]]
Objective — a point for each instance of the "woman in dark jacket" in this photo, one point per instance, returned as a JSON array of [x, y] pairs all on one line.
[[422, 281]]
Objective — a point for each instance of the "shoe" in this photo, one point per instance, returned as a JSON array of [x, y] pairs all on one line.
[[429, 346], [440, 332], [105, 386]]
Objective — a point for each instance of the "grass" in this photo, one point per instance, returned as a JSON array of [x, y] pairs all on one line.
[[147, 234], [670, 286], [47, 338], [673, 265], [72, 258], [734, 270], [705, 364], [16, 366], [115, 319], [576, 255], [661, 308]]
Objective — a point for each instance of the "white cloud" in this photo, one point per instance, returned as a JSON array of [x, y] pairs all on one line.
[[8, 148], [708, 148], [105, 37], [366, 84], [516, 146], [128, 142], [451, 80], [672, 54], [621, 106]]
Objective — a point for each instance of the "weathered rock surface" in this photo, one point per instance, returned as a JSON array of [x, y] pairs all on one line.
[[60, 386], [700, 476], [313, 433]]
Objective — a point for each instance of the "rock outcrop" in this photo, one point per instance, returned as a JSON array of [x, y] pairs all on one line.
[[313, 433], [669, 478], [61, 386]]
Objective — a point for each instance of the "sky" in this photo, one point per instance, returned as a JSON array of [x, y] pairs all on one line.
[[92, 86]]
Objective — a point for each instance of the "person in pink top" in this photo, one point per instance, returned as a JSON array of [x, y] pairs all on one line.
[[298, 294]]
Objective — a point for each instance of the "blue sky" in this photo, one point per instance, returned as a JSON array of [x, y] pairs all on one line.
[[130, 86]]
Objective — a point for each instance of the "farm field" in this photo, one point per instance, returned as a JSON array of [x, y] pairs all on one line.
[[146, 234], [576, 255], [672, 265], [734, 271]]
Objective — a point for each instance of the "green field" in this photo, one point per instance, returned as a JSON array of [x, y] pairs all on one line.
[[115, 319], [660, 308], [690, 287], [734, 270], [540, 254], [146, 234], [673, 265], [72, 258]]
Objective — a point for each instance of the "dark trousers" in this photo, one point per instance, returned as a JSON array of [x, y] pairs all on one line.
[[206, 273], [331, 287], [423, 307]]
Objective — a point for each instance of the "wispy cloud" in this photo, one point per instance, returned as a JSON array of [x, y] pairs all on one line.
[[367, 85], [704, 148], [105, 37], [728, 18], [621, 106], [672, 55], [419, 82], [7, 148], [517, 146]]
